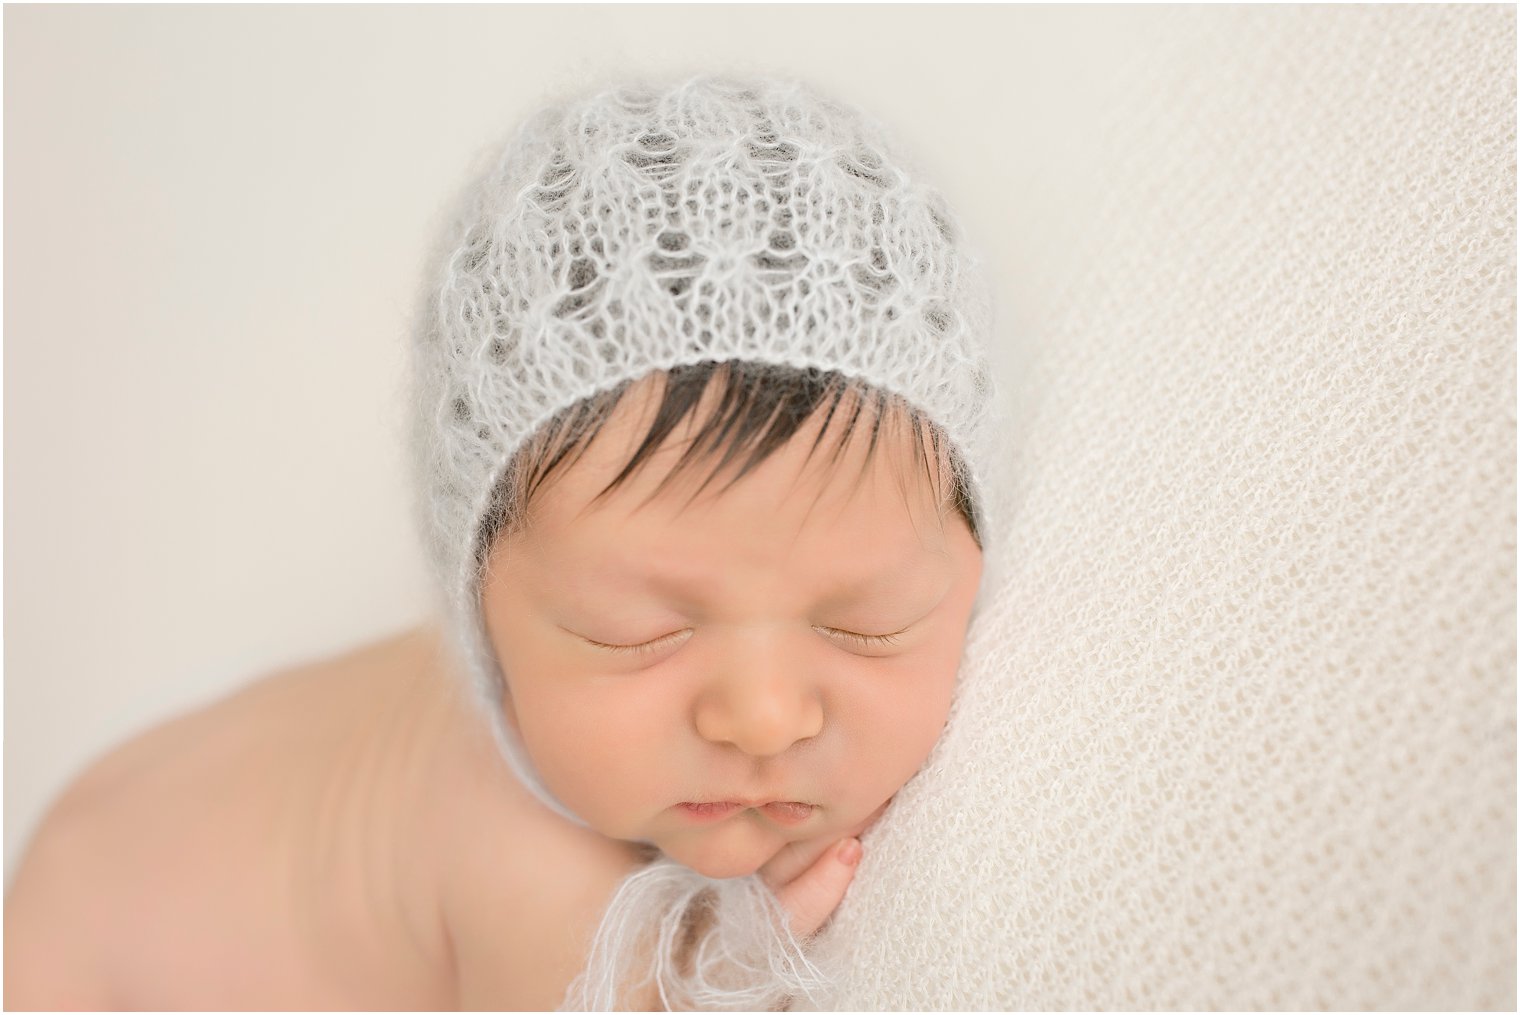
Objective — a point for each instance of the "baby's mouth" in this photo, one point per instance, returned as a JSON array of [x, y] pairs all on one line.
[[783, 812], [788, 813]]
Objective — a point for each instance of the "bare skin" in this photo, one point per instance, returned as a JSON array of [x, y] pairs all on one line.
[[320, 839], [250, 854]]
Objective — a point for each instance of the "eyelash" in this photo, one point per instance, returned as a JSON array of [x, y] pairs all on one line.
[[868, 639], [874, 640]]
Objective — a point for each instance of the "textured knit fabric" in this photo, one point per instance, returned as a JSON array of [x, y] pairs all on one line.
[[1238, 730], [672, 222]]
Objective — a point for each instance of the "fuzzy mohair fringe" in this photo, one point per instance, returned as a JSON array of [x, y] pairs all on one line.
[[707, 944]]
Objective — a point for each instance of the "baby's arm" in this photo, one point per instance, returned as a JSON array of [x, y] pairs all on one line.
[[57, 919]]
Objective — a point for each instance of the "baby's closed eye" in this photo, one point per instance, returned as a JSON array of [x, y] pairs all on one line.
[[651, 645]]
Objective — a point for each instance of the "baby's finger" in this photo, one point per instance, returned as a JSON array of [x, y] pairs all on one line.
[[815, 893]]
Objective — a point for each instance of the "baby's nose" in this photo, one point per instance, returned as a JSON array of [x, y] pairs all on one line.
[[762, 717]]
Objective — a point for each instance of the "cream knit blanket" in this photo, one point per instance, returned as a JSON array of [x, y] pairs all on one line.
[[1238, 729]]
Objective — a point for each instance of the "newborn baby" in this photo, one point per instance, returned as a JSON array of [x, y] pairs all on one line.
[[703, 605], [346, 836]]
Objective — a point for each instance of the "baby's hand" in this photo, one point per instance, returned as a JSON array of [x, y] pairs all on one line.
[[811, 897]]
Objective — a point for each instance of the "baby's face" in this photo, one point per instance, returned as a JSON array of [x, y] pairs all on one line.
[[735, 674]]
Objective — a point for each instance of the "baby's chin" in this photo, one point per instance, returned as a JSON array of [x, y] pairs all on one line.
[[715, 854], [717, 863]]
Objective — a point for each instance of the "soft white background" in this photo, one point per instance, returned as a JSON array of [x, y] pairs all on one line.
[[214, 223]]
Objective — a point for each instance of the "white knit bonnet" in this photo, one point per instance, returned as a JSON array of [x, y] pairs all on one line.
[[661, 223]]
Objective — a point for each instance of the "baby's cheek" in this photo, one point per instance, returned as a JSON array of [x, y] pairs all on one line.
[[576, 743], [590, 751], [910, 716]]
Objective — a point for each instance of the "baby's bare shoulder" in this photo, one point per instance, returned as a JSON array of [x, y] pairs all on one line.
[[525, 892], [112, 861], [189, 840]]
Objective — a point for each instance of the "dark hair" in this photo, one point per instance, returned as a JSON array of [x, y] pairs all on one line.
[[760, 405]]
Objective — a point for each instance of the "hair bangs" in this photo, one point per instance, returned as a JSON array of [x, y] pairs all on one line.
[[758, 407]]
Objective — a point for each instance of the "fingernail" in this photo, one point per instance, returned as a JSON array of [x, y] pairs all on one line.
[[849, 852]]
